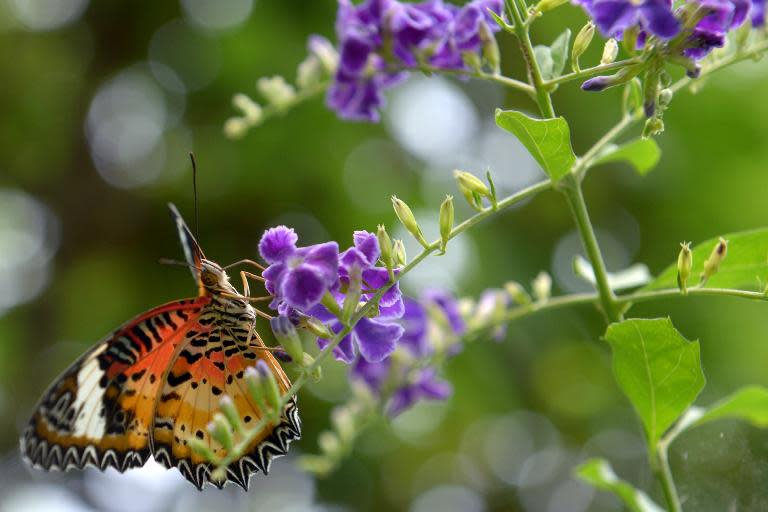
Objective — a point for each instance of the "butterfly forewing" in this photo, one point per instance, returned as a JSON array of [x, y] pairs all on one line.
[[99, 411]]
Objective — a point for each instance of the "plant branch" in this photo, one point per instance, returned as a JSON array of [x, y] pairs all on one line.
[[479, 74], [590, 72]]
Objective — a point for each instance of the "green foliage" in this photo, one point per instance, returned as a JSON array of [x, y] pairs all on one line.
[[552, 59], [548, 140], [745, 267], [749, 404], [657, 368], [642, 154], [600, 474]]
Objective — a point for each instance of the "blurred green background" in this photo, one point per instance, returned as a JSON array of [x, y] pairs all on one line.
[[101, 103]]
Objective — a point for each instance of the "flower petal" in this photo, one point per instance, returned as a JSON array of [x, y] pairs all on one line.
[[277, 243], [303, 287], [368, 244], [376, 340]]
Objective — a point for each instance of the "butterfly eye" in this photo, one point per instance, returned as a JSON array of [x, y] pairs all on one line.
[[208, 277]]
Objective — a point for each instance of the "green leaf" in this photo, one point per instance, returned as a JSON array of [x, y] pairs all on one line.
[[749, 404], [745, 266], [548, 140], [600, 474], [559, 53], [657, 368], [642, 154], [543, 55]]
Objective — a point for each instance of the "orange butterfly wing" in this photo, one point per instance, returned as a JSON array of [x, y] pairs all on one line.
[[211, 365], [100, 411]]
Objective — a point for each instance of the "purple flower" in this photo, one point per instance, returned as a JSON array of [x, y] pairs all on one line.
[[414, 321], [449, 307], [372, 374], [757, 14], [710, 32], [377, 37], [614, 17], [297, 277], [426, 386], [373, 337]]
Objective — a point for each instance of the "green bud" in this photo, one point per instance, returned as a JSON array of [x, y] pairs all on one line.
[[516, 291], [653, 126], [472, 183], [250, 109], [633, 96], [254, 380], [344, 423], [385, 245], [398, 250], [276, 90], [329, 443], [404, 213], [446, 221], [629, 39], [665, 98], [354, 293], [219, 474], [548, 5], [317, 372], [272, 392], [286, 335], [490, 49], [221, 431], [235, 127], [317, 327], [542, 286], [684, 264], [581, 43], [201, 448], [316, 464], [227, 407], [472, 60], [712, 265], [610, 51], [309, 72], [326, 54]]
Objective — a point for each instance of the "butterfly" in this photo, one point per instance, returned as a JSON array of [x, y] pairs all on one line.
[[155, 383]]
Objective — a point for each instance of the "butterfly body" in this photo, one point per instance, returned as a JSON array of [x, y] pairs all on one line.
[[155, 383]]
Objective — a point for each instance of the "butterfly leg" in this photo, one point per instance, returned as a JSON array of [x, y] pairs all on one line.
[[247, 262]]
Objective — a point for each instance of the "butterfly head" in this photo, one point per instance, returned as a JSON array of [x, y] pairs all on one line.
[[213, 278]]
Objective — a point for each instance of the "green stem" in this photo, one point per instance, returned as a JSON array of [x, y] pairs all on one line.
[[662, 471], [361, 312], [572, 190], [590, 72], [479, 74], [521, 30]]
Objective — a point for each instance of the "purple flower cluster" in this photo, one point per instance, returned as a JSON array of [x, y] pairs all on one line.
[[408, 380], [300, 278], [658, 18], [378, 37]]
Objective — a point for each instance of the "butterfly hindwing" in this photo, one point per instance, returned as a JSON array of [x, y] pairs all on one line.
[[99, 411], [210, 366]]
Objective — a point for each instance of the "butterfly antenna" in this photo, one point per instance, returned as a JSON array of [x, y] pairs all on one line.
[[168, 261], [194, 192]]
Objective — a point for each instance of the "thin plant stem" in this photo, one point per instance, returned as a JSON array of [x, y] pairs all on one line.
[[590, 72]]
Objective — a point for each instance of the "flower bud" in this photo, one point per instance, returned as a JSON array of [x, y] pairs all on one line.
[[404, 213], [516, 291], [610, 51], [472, 60], [325, 53], [653, 126], [255, 379], [286, 335], [581, 43], [385, 246], [684, 264], [472, 183], [309, 72], [548, 5], [650, 92], [665, 98], [354, 294], [227, 407], [221, 431], [398, 250], [276, 91], [344, 423], [633, 96], [201, 448], [317, 372], [600, 83], [491, 48], [446, 221], [235, 127], [317, 327], [329, 443], [712, 265], [250, 109], [219, 474], [542, 286]]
